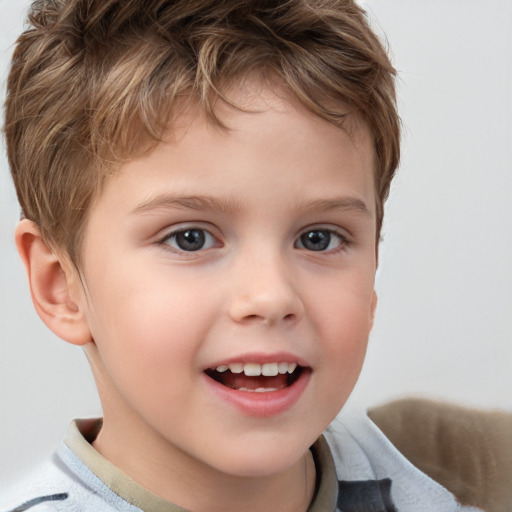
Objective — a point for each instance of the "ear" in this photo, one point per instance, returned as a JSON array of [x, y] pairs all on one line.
[[54, 285], [373, 308]]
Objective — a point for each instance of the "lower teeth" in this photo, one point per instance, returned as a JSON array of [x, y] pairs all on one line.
[[257, 390]]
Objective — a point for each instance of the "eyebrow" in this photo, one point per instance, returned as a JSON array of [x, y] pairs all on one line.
[[227, 206], [199, 203], [345, 203]]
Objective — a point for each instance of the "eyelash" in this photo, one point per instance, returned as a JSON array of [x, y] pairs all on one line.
[[343, 241], [164, 241]]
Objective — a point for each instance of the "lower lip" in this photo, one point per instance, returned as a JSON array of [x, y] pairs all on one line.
[[261, 405]]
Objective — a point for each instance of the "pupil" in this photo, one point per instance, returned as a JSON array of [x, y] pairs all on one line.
[[316, 240], [190, 240]]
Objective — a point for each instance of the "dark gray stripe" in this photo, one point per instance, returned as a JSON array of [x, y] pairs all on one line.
[[365, 496], [37, 501]]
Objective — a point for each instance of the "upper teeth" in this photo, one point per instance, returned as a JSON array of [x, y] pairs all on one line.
[[256, 369]]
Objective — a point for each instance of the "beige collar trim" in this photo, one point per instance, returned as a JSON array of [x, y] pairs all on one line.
[[83, 432]]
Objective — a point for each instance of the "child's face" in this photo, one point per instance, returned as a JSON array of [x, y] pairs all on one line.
[[254, 246]]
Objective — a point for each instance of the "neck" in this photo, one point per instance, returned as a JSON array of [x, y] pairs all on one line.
[[176, 477]]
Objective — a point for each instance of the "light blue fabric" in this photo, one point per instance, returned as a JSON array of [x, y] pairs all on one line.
[[359, 449], [64, 474], [362, 452]]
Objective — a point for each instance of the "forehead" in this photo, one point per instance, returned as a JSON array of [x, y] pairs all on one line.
[[257, 95], [258, 127]]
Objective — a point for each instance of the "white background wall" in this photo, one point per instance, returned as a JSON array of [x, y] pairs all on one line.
[[444, 321]]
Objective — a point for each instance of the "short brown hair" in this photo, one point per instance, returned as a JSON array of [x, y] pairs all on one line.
[[93, 81]]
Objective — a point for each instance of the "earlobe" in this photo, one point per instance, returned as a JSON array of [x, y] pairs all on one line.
[[373, 308], [53, 286]]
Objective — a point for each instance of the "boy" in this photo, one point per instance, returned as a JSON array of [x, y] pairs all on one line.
[[203, 188]]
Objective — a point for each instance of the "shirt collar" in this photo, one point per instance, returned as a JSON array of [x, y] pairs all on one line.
[[83, 432]]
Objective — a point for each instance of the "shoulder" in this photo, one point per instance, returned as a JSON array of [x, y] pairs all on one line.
[[45, 503], [44, 488], [468, 451], [54, 487]]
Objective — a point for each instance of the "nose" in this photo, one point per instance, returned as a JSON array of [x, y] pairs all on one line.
[[264, 291]]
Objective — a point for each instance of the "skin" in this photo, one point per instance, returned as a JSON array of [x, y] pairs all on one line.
[[153, 316]]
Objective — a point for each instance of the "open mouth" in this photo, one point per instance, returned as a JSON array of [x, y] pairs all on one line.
[[255, 377]]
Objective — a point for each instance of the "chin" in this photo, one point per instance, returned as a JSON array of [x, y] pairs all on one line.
[[257, 462]]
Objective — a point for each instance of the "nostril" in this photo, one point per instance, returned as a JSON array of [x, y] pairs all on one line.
[[252, 318], [265, 308]]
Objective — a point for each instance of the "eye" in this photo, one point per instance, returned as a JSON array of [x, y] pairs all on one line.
[[189, 240], [321, 240]]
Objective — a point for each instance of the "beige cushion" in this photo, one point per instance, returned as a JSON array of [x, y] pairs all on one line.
[[468, 451]]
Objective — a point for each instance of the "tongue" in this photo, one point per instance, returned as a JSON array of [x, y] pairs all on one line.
[[239, 380]]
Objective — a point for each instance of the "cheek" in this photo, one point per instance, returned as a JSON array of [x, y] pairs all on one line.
[[145, 354], [344, 309], [346, 340], [143, 327], [344, 321]]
